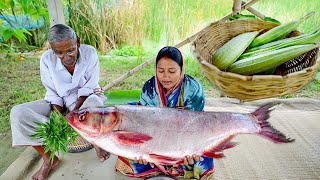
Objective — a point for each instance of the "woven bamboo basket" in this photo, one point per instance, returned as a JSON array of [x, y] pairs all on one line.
[[80, 145], [289, 77]]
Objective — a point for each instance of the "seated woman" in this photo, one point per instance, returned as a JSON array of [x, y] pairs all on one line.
[[171, 88]]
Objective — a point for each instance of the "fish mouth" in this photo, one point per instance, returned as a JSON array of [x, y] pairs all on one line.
[[71, 121], [69, 118]]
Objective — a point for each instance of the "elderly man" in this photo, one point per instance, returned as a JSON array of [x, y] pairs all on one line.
[[70, 73]]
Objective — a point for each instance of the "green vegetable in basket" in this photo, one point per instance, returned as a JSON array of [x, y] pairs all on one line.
[[277, 32], [230, 52], [245, 16], [55, 134], [297, 40], [270, 19], [268, 60]]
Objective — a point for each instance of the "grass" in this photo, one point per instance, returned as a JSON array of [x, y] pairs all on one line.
[[175, 20], [288, 10], [106, 24], [7, 153], [19, 83], [128, 51]]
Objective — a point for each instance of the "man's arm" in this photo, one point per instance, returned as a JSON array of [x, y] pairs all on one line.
[[51, 94], [92, 73], [79, 103]]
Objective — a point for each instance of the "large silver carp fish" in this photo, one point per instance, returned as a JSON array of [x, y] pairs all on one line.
[[164, 136]]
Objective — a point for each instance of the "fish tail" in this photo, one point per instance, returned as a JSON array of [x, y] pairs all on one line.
[[262, 115]]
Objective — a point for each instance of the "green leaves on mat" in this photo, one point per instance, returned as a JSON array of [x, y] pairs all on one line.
[[55, 134]]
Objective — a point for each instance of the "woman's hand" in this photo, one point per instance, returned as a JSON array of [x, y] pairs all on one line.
[[190, 160], [143, 161]]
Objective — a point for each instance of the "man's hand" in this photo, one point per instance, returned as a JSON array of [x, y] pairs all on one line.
[[79, 102], [56, 108]]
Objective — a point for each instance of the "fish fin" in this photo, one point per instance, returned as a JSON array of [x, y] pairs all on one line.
[[227, 145], [213, 154], [223, 146], [164, 159], [267, 131], [216, 152], [130, 138]]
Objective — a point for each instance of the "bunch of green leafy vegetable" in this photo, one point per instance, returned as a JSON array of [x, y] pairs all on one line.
[[55, 134]]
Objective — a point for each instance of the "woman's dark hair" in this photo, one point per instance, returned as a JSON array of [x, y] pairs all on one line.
[[172, 53]]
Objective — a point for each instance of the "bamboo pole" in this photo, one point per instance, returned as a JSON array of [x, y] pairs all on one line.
[[255, 11], [236, 8], [55, 9], [180, 44]]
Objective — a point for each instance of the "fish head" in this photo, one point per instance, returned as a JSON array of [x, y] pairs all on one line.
[[93, 122]]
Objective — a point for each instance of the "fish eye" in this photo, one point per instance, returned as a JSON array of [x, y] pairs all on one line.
[[82, 117]]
